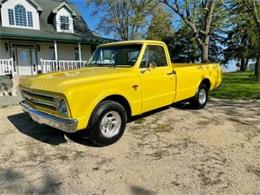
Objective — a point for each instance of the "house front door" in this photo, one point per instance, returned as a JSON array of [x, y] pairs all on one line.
[[24, 61]]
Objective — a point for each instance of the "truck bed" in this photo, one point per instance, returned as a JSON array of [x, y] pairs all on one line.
[[189, 77]]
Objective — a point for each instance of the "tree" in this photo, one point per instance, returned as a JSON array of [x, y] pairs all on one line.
[[182, 46], [203, 17], [124, 18], [161, 25], [252, 8], [241, 41]]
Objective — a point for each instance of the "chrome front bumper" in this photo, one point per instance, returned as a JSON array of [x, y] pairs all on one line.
[[67, 125]]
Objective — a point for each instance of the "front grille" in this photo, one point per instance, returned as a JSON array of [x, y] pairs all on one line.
[[38, 99]]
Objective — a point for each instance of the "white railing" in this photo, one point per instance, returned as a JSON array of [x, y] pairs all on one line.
[[7, 66], [60, 65]]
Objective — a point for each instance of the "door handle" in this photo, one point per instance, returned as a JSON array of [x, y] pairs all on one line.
[[171, 73]]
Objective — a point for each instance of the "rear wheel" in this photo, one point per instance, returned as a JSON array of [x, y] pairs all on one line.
[[107, 123], [200, 100]]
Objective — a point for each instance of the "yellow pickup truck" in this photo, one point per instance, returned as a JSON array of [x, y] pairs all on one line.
[[121, 80]]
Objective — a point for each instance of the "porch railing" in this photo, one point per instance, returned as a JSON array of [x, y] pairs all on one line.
[[60, 65], [6, 66]]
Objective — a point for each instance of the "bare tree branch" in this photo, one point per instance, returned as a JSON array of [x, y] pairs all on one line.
[[188, 14]]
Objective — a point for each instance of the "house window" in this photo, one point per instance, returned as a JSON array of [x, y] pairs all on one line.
[[11, 16], [20, 16], [64, 22], [30, 20]]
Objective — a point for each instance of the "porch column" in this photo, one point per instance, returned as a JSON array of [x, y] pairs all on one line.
[[80, 57], [56, 65], [55, 51]]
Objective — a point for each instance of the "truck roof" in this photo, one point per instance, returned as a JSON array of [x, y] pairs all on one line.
[[133, 42]]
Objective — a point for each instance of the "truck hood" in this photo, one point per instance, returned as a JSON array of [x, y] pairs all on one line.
[[60, 81]]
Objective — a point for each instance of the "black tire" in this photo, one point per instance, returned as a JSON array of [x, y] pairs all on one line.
[[94, 129], [196, 102]]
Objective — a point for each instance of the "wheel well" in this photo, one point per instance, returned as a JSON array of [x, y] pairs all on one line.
[[121, 100], [207, 83]]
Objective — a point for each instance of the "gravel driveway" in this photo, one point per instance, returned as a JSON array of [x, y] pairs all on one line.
[[175, 150]]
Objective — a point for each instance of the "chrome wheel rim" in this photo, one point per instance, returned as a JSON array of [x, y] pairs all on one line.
[[110, 124], [202, 96]]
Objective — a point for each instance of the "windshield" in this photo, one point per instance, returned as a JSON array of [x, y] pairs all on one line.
[[116, 55]]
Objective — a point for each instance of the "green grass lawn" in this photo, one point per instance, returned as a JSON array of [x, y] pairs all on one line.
[[238, 85]]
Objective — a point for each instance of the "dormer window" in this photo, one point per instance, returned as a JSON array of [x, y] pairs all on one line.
[[63, 19], [64, 23], [22, 14], [20, 17]]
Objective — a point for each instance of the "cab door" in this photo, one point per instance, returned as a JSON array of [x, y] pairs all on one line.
[[158, 78]]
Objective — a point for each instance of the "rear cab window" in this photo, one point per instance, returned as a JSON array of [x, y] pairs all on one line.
[[154, 55]]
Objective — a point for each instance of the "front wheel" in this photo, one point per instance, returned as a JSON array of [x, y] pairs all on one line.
[[107, 123], [200, 100]]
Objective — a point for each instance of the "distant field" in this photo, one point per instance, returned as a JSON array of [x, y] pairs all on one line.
[[238, 85]]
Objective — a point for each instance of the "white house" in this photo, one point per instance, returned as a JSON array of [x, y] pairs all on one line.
[[43, 36]]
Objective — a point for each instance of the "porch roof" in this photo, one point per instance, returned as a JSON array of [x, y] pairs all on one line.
[[35, 35]]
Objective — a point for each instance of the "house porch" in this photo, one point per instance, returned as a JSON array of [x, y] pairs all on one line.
[[30, 58]]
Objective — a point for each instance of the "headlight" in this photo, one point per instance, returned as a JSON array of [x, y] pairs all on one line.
[[61, 106]]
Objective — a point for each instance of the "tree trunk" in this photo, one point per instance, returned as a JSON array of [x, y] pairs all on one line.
[[243, 64], [257, 67], [205, 53], [205, 49]]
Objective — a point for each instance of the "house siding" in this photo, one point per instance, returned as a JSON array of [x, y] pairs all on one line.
[[44, 52], [65, 51], [3, 53], [86, 52]]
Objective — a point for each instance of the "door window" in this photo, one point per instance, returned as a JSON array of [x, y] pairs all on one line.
[[24, 56], [154, 55]]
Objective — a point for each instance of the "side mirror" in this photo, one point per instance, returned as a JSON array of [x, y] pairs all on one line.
[[152, 65]]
